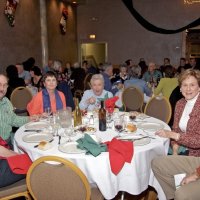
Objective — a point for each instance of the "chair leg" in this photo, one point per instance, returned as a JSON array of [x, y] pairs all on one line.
[[151, 195]]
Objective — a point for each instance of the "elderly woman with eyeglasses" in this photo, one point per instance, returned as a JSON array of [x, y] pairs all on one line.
[[48, 97], [91, 98]]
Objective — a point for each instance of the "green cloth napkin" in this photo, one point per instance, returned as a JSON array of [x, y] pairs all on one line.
[[92, 147]]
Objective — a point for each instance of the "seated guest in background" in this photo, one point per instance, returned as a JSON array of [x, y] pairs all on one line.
[[36, 77], [152, 75], [48, 67], [143, 67], [91, 98], [140, 84], [49, 97], [185, 134], [168, 83], [165, 64], [181, 67], [166, 167], [13, 80], [7, 176], [7, 117], [123, 74], [23, 74], [78, 76], [107, 74], [28, 64], [58, 69], [193, 64]]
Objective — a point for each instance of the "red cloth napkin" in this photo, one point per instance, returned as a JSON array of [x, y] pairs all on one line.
[[19, 164], [110, 103], [119, 153], [4, 143]]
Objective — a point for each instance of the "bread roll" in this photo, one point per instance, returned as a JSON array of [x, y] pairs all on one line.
[[43, 145]]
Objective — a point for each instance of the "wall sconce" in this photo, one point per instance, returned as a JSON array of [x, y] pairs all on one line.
[[92, 36]]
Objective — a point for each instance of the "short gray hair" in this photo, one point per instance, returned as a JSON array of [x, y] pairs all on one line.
[[106, 66], [56, 65], [97, 77]]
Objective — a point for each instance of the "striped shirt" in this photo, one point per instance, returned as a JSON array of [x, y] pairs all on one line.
[[8, 118]]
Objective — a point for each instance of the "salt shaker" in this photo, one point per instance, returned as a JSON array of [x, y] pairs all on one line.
[[91, 120]]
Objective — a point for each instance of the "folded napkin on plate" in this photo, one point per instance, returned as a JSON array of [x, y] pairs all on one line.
[[119, 153], [110, 103], [91, 146], [19, 164]]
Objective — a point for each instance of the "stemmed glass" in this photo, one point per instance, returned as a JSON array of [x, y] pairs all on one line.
[[55, 123], [47, 112], [118, 123]]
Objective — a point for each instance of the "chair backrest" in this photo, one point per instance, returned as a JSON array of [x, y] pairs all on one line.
[[132, 99], [58, 180], [15, 190], [159, 107], [87, 85], [20, 97]]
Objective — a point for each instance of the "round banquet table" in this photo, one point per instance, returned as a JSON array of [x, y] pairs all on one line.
[[133, 178]]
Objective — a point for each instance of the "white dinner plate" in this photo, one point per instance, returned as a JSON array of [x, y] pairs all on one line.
[[150, 126], [36, 125], [142, 142], [70, 148], [37, 137]]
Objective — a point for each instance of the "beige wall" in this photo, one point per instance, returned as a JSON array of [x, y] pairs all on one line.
[[62, 47], [22, 41], [111, 21]]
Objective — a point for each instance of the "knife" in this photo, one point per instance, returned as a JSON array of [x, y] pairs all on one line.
[[38, 144], [29, 130]]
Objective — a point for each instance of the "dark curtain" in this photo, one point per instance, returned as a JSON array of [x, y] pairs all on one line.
[[153, 28]]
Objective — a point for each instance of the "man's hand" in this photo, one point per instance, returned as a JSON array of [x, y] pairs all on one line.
[[91, 100], [190, 178]]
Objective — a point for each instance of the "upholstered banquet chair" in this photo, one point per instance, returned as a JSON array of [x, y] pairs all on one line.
[[18, 189], [132, 99], [19, 98], [159, 107], [60, 179]]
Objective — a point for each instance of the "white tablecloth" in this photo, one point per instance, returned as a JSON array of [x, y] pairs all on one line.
[[134, 177]]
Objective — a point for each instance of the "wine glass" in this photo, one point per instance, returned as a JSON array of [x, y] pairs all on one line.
[[47, 112], [118, 123], [132, 116], [55, 124]]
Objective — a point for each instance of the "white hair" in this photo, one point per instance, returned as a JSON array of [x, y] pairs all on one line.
[[97, 77]]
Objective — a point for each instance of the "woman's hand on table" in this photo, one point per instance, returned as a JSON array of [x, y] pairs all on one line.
[[34, 118], [168, 134]]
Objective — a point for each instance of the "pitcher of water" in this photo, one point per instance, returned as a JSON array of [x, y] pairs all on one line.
[[65, 117]]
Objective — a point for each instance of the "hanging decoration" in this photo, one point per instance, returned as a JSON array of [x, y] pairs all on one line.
[[63, 21], [10, 9], [153, 28]]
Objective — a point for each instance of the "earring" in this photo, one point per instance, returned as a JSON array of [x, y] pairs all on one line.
[[180, 90]]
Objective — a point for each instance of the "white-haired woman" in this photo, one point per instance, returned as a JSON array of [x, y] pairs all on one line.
[[91, 98]]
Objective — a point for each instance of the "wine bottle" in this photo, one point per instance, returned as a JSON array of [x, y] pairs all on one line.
[[77, 114], [102, 117]]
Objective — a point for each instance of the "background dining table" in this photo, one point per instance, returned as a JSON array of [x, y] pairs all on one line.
[[133, 178]]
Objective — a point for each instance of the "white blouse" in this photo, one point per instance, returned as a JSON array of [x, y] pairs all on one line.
[[187, 110]]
